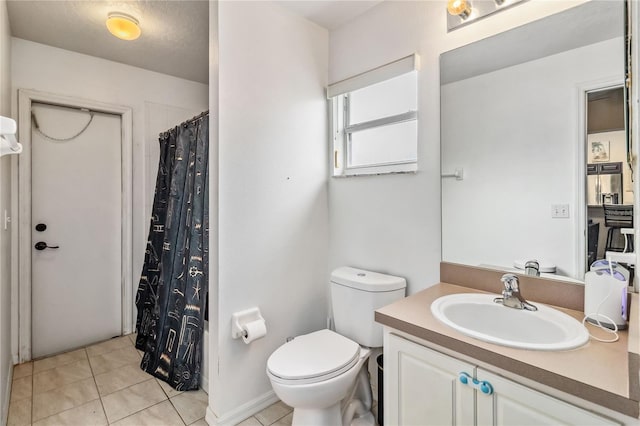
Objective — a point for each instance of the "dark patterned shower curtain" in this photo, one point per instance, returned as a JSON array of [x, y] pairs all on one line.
[[172, 293]]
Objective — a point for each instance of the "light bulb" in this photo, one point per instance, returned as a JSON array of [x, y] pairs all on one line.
[[459, 8]]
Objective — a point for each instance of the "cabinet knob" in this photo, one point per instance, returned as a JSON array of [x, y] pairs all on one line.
[[483, 386], [464, 378], [486, 388]]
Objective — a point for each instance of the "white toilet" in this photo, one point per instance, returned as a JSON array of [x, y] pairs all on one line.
[[323, 375]]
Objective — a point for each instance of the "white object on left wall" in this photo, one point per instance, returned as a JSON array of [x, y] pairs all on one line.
[[8, 142]]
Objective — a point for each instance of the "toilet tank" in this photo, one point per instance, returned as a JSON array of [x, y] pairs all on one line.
[[355, 295]]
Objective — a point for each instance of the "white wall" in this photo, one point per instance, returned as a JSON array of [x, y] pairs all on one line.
[[273, 168], [154, 98], [515, 170], [5, 234], [392, 223]]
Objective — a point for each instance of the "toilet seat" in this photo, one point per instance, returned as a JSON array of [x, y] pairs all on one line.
[[313, 358]]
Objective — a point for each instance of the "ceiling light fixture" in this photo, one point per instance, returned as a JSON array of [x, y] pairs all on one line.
[[123, 26], [460, 8]]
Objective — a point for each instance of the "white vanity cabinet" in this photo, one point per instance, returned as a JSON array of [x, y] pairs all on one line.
[[425, 387], [422, 386], [514, 404]]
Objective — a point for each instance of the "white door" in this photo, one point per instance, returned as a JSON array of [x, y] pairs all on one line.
[[76, 195]]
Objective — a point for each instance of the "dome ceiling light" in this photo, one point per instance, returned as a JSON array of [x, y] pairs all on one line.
[[123, 26]]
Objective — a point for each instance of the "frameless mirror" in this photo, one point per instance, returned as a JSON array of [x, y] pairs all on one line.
[[514, 139]]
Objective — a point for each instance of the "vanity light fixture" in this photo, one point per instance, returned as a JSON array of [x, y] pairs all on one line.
[[462, 12], [123, 26], [460, 8]]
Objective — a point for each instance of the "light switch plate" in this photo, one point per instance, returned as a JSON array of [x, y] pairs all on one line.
[[560, 211]]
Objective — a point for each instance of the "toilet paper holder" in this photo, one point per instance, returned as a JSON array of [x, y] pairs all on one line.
[[238, 319]]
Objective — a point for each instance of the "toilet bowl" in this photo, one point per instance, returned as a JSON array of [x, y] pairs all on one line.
[[323, 375], [314, 380]]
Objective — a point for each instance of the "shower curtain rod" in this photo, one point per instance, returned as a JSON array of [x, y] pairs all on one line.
[[197, 117], [191, 120]]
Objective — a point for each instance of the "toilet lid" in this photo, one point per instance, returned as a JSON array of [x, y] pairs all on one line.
[[319, 355]]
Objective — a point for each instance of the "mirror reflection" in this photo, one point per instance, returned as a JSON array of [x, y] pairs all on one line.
[[609, 177], [534, 119]]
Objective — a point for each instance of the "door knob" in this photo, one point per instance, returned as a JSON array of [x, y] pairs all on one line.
[[41, 227], [41, 245]]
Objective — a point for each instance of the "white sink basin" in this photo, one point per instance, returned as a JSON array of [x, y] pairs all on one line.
[[478, 316]]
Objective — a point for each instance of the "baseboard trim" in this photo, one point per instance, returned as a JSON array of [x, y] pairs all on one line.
[[7, 396], [243, 412], [204, 384]]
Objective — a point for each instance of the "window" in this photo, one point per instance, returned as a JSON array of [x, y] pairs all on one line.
[[375, 120]]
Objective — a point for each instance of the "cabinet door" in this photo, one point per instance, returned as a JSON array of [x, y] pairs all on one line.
[[514, 404], [421, 386]]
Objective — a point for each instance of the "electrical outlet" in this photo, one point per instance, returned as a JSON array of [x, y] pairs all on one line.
[[560, 211]]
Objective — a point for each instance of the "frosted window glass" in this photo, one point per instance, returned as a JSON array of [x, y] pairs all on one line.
[[388, 98], [387, 144]]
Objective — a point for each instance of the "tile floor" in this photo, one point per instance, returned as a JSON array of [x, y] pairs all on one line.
[[103, 385], [99, 385], [278, 414]]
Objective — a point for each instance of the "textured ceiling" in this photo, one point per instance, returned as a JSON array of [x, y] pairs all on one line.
[[175, 33], [174, 40]]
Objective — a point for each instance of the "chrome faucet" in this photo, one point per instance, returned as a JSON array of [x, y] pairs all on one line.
[[532, 267], [511, 296]]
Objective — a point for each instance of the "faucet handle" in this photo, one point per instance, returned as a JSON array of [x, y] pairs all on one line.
[[510, 282], [511, 296]]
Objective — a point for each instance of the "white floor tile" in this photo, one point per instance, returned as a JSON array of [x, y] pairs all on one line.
[[22, 370], [191, 405], [251, 421], [162, 414], [22, 388], [123, 403], [19, 413], [273, 413], [59, 360], [121, 378], [63, 398], [60, 376], [89, 414]]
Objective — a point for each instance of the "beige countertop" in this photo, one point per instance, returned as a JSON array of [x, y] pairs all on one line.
[[603, 373]]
